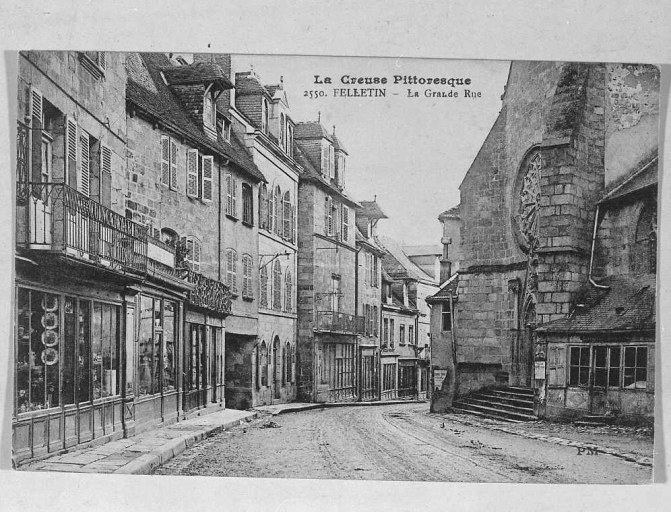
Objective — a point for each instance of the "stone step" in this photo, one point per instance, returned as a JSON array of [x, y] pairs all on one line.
[[527, 409], [493, 411], [458, 409], [520, 389], [515, 401], [510, 394]]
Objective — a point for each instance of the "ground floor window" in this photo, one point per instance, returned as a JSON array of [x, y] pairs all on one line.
[[67, 350], [340, 365], [407, 380], [388, 377], [612, 366], [635, 368], [156, 345]]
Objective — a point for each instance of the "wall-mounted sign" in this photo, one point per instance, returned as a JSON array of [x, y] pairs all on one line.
[[539, 370], [438, 378]]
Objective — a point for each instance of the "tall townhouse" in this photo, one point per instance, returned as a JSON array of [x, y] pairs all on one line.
[[408, 319], [77, 254], [327, 322], [183, 159], [369, 298], [262, 369]]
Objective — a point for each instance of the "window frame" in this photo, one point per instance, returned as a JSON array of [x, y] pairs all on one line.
[[247, 279], [247, 204], [232, 270], [446, 313]]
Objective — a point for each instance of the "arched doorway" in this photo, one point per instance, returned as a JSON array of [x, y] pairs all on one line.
[[277, 368], [526, 353]]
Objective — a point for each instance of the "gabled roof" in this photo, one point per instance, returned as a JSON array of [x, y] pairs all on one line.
[[371, 242], [397, 263], [248, 84], [197, 73], [311, 130], [146, 89], [628, 304], [641, 178], [371, 210]]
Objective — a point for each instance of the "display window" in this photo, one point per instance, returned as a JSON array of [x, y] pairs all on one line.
[[156, 346], [67, 350]]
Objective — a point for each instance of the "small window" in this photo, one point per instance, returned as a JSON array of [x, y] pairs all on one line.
[[247, 204], [232, 270], [401, 334], [579, 366], [331, 165], [446, 317], [264, 116], [95, 63], [247, 290], [411, 335], [226, 130], [282, 132]]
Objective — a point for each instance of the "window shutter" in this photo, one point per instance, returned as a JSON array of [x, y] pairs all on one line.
[[196, 255], [279, 214], [229, 194], [105, 175], [71, 152], [234, 195], [173, 164], [192, 173], [165, 160], [287, 217], [84, 165], [263, 206], [557, 366], [102, 60], [189, 251], [208, 171], [345, 223], [35, 134], [293, 223], [271, 210]]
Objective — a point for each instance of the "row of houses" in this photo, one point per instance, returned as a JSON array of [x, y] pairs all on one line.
[[550, 288], [183, 245]]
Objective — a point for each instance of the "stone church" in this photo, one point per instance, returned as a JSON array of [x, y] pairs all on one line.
[[558, 213]]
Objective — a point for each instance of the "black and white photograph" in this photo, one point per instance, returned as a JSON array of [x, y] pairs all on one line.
[[238, 265]]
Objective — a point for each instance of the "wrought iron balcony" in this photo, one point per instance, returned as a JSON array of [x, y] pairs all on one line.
[[54, 217], [333, 321]]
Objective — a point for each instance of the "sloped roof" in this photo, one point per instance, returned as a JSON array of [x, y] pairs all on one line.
[[338, 145], [370, 241], [197, 73], [397, 263], [247, 84], [422, 250], [371, 210], [311, 130], [627, 305], [447, 289], [641, 178], [453, 212], [146, 89]]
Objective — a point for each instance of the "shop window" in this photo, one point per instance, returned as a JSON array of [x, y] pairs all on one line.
[[635, 368], [68, 363], [247, 204], [579, 366], [388, 377], [156, 346]]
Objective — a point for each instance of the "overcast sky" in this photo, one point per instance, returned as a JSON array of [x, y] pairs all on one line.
[[410, 152]]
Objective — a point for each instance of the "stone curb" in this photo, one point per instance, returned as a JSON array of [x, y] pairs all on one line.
[[328, 405], [630, 457], [146, 463]]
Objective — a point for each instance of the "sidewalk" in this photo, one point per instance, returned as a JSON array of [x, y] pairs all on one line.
[[308, 406], [142, 453]]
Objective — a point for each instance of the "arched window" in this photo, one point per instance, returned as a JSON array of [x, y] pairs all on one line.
[[288, 290], [288, 221], [263, 206], [644, 250], [232, 270], [263, 285], [277, 286], [247, 290], [278, 210]]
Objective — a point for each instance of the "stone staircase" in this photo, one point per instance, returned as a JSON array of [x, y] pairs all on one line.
[[515, 404]]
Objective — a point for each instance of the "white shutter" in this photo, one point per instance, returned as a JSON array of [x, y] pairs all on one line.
[[71, 152], [105, 159], [173, 164], [208, 166], [192, 173], [229, 194], [165, 160], [196, 255], [102, 60], [345, 223], [36, 106], [234, 195], [84, 180]]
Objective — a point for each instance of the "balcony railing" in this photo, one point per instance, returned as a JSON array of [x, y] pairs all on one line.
[[57, 218], [339, 322]]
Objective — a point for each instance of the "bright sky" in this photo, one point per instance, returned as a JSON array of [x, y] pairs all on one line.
[[410, 152]]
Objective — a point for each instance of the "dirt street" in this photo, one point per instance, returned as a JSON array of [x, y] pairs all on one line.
[[399, 442]]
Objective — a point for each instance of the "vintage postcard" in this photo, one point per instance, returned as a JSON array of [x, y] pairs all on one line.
[[335, 268]]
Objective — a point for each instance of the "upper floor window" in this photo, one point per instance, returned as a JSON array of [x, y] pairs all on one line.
[[232, 270], [231, 196], [271, 211], [94, 62], [340, 170], [169, 162], [209, 109], [328, 216], [247, 264], [392, 334], [446, 317], [247, 204], [192, 253], [290, 139], [288, 216], [345, 223], [263, 287], [226, 130], [288, 291], [278, 211], [277, 285], [411, 334], [401, 334], [282, 132], [331, 165]]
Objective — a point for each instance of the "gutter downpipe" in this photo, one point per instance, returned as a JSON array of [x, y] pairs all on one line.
[[591, 255]]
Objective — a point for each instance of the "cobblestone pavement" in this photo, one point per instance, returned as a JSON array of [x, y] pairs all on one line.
[[398, 442]]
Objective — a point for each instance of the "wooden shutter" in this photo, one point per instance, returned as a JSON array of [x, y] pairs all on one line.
[[165, 160], [229, 194], [35, 108], [173, 164], [192, 173], [105, 175], [556, 365], [287, 216], [102, 61], [196, 255], [271, 210], [208, 172], [293, 222], [345, 223], [234, 195], [84, 182], [71, 153], [263, 206], [189, 251]]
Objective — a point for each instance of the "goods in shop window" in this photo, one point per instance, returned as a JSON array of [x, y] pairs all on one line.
[[50, 320], [50, 338], [50, 303], [49, 356]]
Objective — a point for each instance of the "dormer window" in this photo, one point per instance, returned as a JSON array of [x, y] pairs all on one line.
[[209, 110], [226, 130], [331, 161], [290, 139], [264, 116]]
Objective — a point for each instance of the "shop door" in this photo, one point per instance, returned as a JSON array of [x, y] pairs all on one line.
[[197, 377], [604, 370]]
